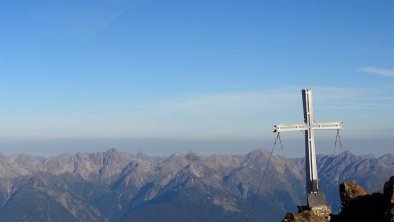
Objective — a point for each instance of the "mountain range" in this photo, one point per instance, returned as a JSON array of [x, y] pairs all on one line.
[[116, 186]]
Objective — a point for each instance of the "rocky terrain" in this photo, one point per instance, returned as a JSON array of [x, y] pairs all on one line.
[[357, 205], [115, 186]]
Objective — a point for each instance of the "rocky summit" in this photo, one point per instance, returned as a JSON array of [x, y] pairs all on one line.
[[360, 206], [357, 205], [113, 186]]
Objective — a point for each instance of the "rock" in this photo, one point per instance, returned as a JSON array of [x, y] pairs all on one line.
[[289, 217], [350, 191], [364, 209], [306, 216], [360, 206], [390, 215], [388, 189]]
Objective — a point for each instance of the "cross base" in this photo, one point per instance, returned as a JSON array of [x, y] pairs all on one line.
[[316, 199], [323, 213]]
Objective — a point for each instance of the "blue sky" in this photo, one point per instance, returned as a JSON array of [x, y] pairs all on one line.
[[191, 71]]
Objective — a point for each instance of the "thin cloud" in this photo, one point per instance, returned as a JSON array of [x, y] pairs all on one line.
[[219, 115], [111, 19], [347, 107], [377, 71], [277, 100], [228, 101]]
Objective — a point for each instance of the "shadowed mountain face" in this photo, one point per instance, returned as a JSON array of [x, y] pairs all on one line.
[[114, 186]]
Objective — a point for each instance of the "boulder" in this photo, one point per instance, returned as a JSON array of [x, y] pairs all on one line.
[[350, 191]]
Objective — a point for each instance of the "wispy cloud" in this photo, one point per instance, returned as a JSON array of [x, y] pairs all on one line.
[[219, 115], [111, 19], [226, 101], [377, 71], [354, 98], [277, 100]]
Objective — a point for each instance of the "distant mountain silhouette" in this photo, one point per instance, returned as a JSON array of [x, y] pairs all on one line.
[[115, 186]]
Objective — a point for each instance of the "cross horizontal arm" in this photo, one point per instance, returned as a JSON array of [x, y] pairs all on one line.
[[290, 127], [302, 127], [327, 125]]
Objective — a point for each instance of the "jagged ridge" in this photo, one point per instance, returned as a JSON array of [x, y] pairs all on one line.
[[114, 186]]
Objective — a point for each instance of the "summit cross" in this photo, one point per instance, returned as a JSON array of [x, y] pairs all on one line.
[[314, 196]]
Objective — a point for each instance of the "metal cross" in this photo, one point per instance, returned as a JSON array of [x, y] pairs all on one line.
[[314, 197]]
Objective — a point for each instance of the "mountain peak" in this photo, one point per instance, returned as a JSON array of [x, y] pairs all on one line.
[[387, 156], [113, 150], [123, 187]]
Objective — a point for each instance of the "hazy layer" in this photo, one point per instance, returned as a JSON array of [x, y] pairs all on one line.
[[155, 146]]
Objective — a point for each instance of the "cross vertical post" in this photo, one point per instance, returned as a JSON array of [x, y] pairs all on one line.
[[312, 181], [314, 196]]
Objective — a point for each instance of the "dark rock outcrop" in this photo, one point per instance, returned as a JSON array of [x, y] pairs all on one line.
[[373, 207], [388, 189], [360, 206]]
